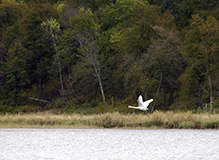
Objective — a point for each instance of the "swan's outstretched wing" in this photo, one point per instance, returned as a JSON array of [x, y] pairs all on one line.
[[140, 101], [146, 103]]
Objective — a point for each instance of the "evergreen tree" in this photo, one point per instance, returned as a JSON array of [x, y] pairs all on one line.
[[16, 75], [202, 51]]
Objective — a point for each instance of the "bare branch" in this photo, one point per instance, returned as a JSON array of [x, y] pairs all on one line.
[[36, 99]]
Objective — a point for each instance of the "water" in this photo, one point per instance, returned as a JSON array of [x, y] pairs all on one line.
[[108, 144]]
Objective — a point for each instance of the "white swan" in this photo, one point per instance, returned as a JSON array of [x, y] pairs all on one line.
[[142, 105]]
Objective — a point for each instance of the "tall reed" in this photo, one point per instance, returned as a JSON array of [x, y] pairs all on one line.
[[158, 119]]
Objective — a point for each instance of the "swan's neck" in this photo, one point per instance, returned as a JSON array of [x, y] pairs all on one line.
[[133, 107]]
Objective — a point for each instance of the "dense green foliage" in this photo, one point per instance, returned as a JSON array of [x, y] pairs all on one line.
[[84, 55]]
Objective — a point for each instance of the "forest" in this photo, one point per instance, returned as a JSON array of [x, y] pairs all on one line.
[[96, 56]]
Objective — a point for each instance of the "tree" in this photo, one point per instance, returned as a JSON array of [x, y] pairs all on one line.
[[115, 18], [16, 74], [164, 64], [52, 29], [10, 15], [133, 42], [202, 41], [68, 54], [92, 4], [182, 10], [86, 32], [40, 49]]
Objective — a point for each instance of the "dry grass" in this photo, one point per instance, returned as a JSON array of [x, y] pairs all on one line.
[[169, 119]]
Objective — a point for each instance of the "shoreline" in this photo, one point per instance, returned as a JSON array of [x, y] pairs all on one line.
[[156, 120]]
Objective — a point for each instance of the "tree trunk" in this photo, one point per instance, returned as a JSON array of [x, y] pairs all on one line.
[[95, 64], [209, 78], [102, 93], [170, 101], [210, 92], [97, 70], [200, 90], [158, 89], [16, 91], [40, 78], [60, 69]]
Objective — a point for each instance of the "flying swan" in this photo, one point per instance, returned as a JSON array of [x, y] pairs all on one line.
[[142, 105]]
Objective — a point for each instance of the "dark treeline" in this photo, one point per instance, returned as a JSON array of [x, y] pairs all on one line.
[[84, 54]]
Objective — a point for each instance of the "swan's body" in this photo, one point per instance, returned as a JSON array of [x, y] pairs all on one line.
[[142, 105]]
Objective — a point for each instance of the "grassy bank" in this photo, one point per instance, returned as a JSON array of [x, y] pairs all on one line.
[[169, 119]]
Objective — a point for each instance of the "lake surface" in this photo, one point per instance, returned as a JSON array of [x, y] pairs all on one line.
[[108, 144]]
